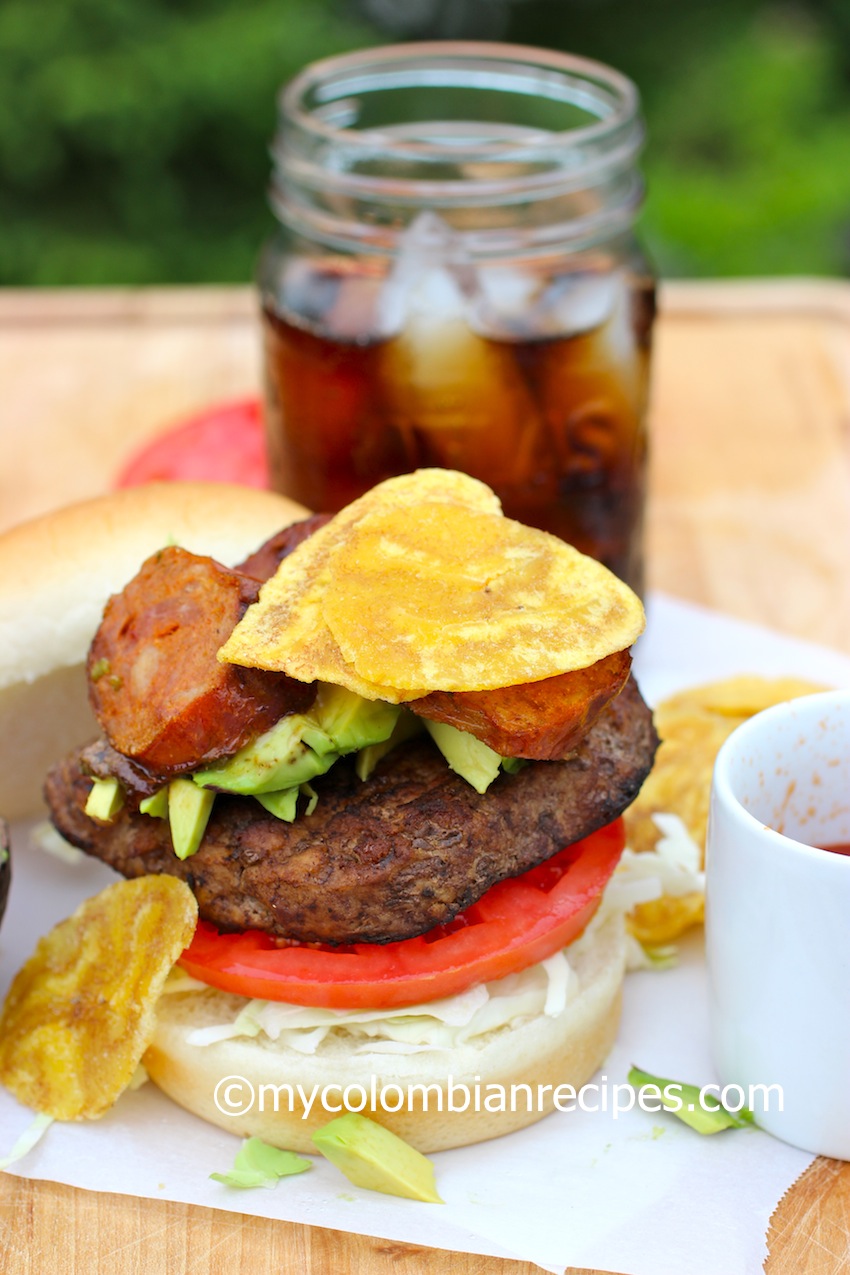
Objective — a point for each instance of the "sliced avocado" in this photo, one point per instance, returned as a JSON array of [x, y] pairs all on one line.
[[284, 804], [352, 721], [407, 726], [277, 759], [105, 800], [301, 746], [155, 805], [189, 810], [280, 804], [467, 756], [317, 739], [372, 1157]]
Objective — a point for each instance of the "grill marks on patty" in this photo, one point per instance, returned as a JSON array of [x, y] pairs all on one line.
[[382, 860]]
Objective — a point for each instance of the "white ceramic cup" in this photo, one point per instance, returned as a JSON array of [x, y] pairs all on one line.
[[778, 919]]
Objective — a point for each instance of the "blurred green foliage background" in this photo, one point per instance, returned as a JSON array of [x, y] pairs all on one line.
[[134, 133]]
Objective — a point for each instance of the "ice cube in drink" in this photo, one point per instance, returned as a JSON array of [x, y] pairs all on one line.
[[534, 381]]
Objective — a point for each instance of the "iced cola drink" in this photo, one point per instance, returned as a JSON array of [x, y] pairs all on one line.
[[455, 282], [534, 380]]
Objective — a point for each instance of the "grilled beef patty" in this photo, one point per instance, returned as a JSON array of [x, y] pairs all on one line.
[[381, 860]]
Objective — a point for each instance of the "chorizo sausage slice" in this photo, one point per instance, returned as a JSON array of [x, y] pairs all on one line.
[[264, 562], [155, 685], [543, 720]]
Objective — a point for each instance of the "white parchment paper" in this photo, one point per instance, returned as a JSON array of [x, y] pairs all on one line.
[[640, 1194]]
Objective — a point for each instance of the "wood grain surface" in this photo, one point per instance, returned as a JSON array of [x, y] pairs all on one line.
[[749, 513]]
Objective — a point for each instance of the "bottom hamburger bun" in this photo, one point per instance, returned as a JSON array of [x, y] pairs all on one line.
[[553, 1051], [56, 574]]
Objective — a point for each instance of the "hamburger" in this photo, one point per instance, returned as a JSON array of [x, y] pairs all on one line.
[[386, 752]]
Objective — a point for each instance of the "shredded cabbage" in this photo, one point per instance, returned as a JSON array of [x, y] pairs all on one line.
[[641, 957], [436, 1025], [672, 868], [179, 981], [33, 1133]]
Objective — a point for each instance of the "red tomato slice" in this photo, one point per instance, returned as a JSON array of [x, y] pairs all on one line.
[[223, 444], [516, 923]]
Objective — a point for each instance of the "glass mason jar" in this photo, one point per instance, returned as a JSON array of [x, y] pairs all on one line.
[[455, 283]]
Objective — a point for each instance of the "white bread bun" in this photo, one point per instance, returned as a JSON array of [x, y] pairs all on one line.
[[56, 575], [560, 1050]]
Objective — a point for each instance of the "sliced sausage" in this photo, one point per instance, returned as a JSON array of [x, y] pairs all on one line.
[[155, 685], [263, 563], [543, 720]]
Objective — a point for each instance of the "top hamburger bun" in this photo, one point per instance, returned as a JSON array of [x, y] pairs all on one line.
[[56, 574]]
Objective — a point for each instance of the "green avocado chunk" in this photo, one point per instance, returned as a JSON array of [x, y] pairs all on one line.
[[351, 721], [105, 800], [277, 759], [301, 746], [189, 810], [258, 1164], [407, 726], [156, 805], [372, 1157], [467, 756], [283, 805], [702, 1111]]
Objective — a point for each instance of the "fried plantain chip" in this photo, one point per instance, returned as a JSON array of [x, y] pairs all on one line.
[[80, 1013], [662, 920], [450, 598], [422, 585], [286, 629], [693, 725], [742, 696]]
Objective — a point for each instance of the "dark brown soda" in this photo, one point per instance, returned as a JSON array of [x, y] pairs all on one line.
[[555, 425]]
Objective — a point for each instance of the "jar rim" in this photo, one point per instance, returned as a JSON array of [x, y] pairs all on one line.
[[565, 77], [358, 187]]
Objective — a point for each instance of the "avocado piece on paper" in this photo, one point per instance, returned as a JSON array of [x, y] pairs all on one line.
[[372, 1157], [701, 1111], [258, 1164]]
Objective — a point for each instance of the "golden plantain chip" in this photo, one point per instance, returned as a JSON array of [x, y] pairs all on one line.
[[80, 1013], [742, 696], [693, 725], [662, 920], [455, 599], [286, 630], [680, 779]]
